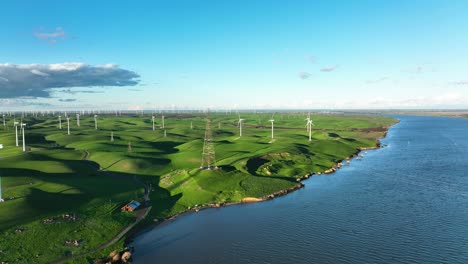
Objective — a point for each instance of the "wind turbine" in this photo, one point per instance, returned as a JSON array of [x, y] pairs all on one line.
[[77, 119], [191, 125], [240, 126], [272, 127], [162, 117], [152, 118], [309, 127], [112, 136], [4, 124], [68, 125], [60, 122], [308, 122], [95, 122], [24, 141], [16, 132]]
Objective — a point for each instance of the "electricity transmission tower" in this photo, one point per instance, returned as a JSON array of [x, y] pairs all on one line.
[[208, 155]]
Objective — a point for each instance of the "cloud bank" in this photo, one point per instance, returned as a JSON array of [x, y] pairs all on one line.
[[37, 80]]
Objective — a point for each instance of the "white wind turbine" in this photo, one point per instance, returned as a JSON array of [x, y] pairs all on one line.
[[152, 118], [162, 118], [95, 122], [112, 136], [4, 123], [309, 127], [68, 125], [24, 141], [241, 121], [308, 122], [272, 128], [77, 119], [16, 132], [60, 122]]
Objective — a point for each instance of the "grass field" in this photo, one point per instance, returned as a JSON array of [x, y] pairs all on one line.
[[52, 179]]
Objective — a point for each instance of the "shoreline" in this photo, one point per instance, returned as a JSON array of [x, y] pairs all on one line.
[[248, 200]]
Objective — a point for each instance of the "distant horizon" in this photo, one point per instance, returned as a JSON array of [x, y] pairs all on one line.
[[229, 110]]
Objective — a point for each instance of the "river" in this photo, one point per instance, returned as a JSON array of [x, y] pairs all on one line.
[[404, 203]]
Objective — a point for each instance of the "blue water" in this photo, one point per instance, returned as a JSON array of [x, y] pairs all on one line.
[[405, 203]]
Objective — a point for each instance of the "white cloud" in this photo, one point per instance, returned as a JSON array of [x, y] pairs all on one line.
[[378, 80], [37, 80], [441, 101], [329, 68], [37, 72], [50, 37], [66, 66], [304, 75], [462, 82]]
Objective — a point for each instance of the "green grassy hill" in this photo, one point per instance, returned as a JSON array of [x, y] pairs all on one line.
[[52, 179]]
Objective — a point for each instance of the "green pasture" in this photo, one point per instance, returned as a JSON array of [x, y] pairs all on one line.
[[52, 179]]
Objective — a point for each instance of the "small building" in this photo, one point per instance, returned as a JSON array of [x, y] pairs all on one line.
[[131, 206]]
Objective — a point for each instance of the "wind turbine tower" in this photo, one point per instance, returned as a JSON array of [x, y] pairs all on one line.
[[60, 122], [272, 128], [308, 123], [4, 123], [68, 125], [162, 117], [95, 122], [241, 121], [152, 118], [309, 127], [77, 119], [112, 136], [16, 132], [24, 141]]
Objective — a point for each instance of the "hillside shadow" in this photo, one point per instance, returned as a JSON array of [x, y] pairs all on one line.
[[94, 185], [168, 147], [227, 168], [254, 163], [49, 202], [223, 133]]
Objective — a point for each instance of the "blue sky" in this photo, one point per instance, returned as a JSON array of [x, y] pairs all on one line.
[[244, 54]]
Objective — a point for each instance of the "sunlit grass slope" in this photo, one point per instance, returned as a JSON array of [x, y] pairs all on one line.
[[52, 179]]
